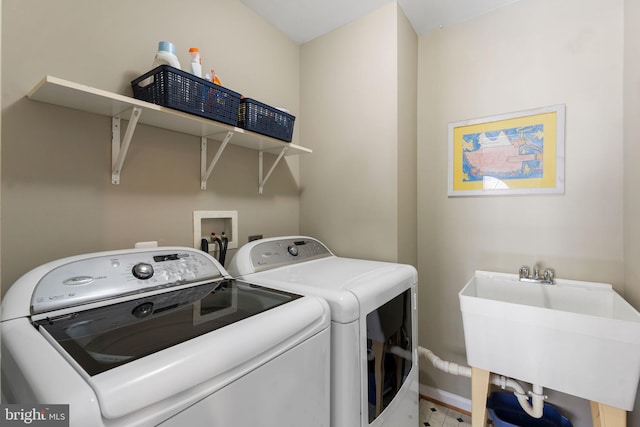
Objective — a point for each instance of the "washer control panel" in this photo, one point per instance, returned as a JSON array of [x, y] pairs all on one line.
[[103, 277], [275, 253]]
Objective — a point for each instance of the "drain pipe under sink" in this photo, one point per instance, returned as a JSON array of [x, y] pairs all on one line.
[[534, 408]]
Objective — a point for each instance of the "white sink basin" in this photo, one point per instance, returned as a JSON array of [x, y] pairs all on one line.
[[579, 338]]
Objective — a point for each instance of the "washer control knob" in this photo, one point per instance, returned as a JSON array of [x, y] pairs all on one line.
[[293, 250], [142, 270]]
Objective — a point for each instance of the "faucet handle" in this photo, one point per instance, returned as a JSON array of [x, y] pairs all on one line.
[[536, 272], [548, 274], [524, 272]]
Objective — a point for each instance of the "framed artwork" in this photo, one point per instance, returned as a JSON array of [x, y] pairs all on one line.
[[514, 153]]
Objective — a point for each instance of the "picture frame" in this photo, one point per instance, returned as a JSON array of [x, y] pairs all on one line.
[[513, 153]]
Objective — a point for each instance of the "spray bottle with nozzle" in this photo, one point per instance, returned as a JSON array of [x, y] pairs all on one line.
[[196, 62]]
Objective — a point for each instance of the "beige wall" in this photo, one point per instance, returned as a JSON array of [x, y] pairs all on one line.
[[407, 141], [631, 128], [631, 151], [57, 199], [353, 187], [530, 54], [353, 91]]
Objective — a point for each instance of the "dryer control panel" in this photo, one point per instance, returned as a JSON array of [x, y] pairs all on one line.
[[275, 253], [109, 275]]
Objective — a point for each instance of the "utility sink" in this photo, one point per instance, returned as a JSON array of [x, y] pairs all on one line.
[[580, 338]]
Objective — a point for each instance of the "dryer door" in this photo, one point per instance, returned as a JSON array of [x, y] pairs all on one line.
[[390, 350]]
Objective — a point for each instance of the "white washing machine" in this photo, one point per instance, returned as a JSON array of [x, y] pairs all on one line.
[[164, 336], [374, 361]]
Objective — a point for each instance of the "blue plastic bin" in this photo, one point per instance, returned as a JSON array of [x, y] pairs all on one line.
[[505, 411], [177, 89]]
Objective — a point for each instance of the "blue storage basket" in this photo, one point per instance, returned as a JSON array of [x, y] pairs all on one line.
[[177, 89], [261, 118], [505, 411]]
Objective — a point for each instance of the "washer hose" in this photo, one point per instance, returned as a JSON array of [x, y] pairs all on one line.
[[215, 239], [223, 249]]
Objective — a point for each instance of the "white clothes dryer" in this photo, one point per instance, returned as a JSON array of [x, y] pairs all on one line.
[[164, 336], [374, 361]]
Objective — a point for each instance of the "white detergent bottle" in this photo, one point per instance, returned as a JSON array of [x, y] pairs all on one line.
[[196, 62], [166, 55]]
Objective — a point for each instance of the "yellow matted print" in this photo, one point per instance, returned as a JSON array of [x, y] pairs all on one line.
[[515, 153]]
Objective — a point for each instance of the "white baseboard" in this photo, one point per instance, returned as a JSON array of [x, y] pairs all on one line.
[[446, 397]]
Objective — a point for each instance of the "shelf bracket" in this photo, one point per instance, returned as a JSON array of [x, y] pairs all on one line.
[[119, 148], [205, 171], [263, 181]]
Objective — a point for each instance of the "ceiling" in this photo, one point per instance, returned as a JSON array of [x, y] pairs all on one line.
[[304, 20]]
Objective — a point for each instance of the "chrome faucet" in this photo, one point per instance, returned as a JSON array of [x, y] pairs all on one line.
[[546, 279]]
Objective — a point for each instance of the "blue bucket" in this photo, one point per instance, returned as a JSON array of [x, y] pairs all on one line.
[[505, 411]]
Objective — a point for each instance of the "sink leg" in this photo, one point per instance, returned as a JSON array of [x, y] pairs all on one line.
[[607, 416], [479, 393]]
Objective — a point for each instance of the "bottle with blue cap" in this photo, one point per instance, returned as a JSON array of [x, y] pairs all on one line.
[[166, 55]]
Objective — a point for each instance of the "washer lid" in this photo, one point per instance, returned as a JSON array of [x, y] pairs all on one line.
[[139, 352], [106, 337]]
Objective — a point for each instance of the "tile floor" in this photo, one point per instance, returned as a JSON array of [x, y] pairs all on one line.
[[434, 415]]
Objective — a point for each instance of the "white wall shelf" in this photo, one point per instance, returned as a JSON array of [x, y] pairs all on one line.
[[53, 90]]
